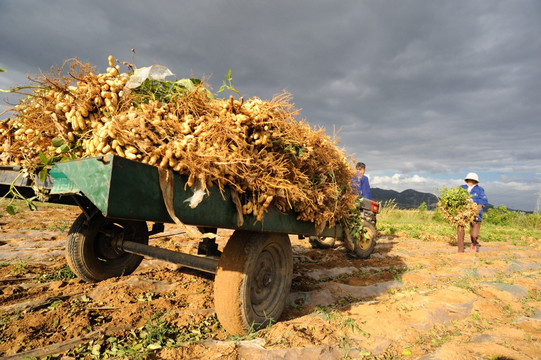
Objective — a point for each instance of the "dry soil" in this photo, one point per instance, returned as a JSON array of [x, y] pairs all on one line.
[[411, 299]]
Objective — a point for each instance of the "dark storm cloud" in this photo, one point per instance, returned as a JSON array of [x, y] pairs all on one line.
[[413, 86]]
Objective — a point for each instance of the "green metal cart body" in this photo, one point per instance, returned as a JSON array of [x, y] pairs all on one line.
[[127, 189]]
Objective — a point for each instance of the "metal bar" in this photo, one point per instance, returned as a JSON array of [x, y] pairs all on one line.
[[191, 261], [11, 175]]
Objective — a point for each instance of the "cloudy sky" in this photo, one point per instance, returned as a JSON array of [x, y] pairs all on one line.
[[421, 91]]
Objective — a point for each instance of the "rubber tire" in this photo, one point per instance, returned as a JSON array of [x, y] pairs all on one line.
[[253, 280], [89, 252], [321, 242], [363, 249]]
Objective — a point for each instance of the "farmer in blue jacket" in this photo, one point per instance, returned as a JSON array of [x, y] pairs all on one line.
[[360, 182], [478, 196]]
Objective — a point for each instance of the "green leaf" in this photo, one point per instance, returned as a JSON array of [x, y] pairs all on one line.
[[42, 174], [57, 142], [64, 148], [112, 339], [11, 209], [2, 70], [31, 205], [96, 349], [154, 346], [188, 84], [228, 84], [55, 304], [43, 158]]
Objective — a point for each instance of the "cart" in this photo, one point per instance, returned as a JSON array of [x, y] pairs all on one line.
[[368, 210], [121, 198]]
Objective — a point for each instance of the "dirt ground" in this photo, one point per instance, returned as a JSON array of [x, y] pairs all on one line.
[[411, 299]]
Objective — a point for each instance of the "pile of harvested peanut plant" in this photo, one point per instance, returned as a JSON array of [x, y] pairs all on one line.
[[457, 207], [257, 148]]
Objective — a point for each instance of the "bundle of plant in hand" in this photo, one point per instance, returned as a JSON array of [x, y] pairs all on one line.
[[456, 206]]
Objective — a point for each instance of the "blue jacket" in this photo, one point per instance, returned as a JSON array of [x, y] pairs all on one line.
[[362, 187], [478, 196]]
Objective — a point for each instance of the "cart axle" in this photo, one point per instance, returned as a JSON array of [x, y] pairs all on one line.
[[190, 261]]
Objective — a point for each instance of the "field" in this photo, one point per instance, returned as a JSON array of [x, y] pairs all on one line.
[[414, 298]]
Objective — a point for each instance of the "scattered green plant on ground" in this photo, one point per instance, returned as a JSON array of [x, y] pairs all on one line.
[[59, 226], [386, 229], [527, 308], [350, 324], [492, 237], [329, 313], [466, 282], [396, 272], [433, 338], [19, 267], [64, 273], [140, 343]]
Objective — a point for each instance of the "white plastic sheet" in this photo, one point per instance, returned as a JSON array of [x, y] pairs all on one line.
[[154, 72]]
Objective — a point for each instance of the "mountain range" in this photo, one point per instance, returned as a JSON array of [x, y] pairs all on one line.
[[407, 199]]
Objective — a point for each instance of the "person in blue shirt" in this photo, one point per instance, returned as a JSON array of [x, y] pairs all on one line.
[[360, 182], [478, 196]]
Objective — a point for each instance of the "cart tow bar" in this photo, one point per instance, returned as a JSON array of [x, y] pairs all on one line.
[[205, 264]]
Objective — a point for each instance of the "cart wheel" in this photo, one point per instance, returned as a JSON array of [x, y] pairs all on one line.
[[364, 247], [253, 280], [91, 254], [321, 242]]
